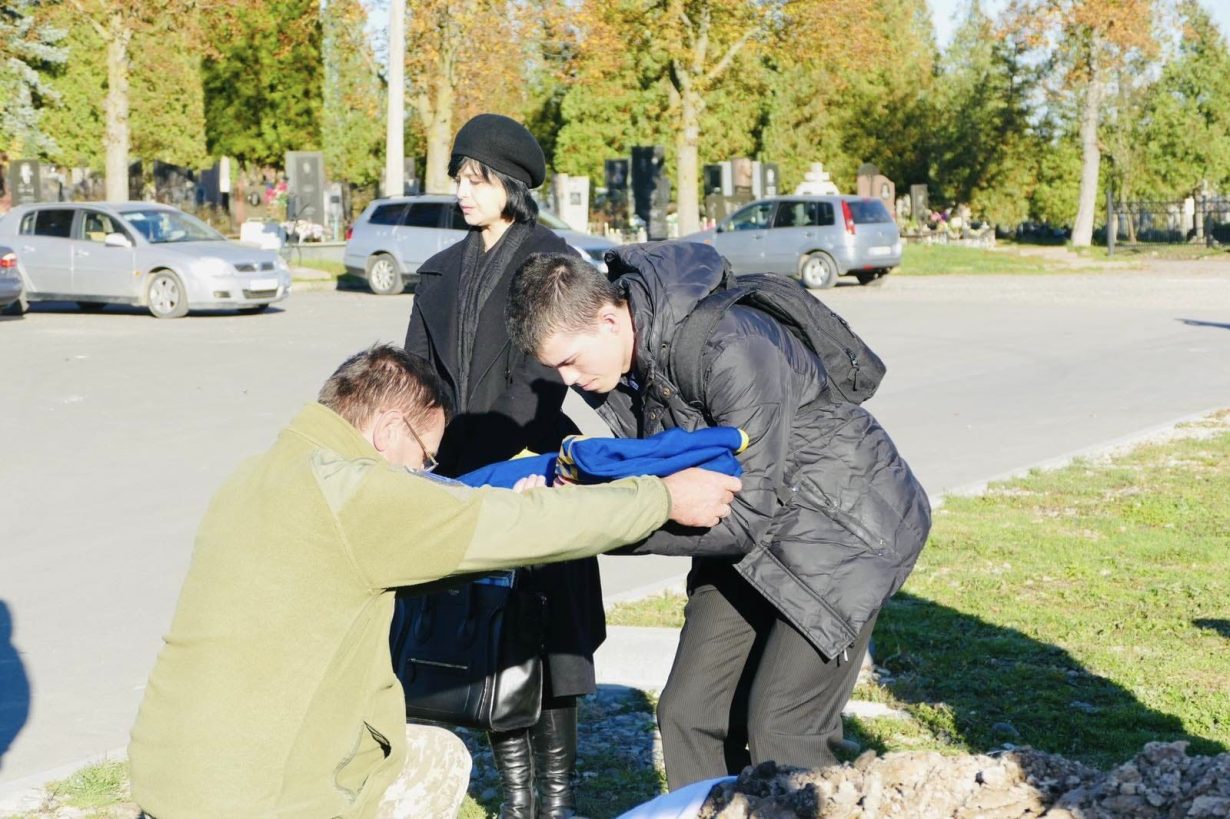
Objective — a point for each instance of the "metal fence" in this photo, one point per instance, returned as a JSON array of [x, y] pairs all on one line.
[[1195, 220]]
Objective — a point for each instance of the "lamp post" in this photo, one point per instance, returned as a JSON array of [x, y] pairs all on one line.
[[395, 147]]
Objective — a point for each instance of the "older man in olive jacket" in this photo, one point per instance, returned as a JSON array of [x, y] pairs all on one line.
[[275, 694]]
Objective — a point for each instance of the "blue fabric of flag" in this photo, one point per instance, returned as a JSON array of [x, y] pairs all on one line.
[[598, 460]]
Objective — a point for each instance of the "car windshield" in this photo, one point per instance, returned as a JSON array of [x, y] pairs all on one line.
[[164, 226], [548, 219]]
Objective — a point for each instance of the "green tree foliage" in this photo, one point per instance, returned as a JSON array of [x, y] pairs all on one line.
[[1186, 131], [1058, 178], [264, 80], [352, 129], [885, 108], [167, 97], [985, 152], [28, 44], [166, 117]]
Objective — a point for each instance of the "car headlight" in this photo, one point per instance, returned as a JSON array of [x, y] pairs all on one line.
[[280, 264], [212, 266]]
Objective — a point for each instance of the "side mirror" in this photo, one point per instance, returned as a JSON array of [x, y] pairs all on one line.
[[117, 240]]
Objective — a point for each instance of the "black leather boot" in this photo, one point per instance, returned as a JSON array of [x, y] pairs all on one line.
[[555, 761], [514, 758]]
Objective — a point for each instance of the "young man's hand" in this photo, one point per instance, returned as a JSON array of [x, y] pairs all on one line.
[[529, 482], [700, 497]]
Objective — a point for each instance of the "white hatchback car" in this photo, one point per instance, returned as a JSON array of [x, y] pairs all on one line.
[[142, 253]]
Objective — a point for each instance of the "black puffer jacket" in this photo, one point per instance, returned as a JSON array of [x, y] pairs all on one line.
[[830, 519]]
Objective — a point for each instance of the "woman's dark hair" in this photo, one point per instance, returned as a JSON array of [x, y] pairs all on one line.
[[520, 206]]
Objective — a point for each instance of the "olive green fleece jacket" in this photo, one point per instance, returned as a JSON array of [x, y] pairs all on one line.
[[274, 694]]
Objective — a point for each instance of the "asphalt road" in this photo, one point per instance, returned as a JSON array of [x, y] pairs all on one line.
[[116, 428]]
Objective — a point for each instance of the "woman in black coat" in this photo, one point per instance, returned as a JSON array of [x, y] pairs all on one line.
[[505, 402]]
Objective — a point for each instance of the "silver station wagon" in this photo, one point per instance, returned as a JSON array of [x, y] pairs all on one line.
[[392, 237], [816, 238], [141, 253]]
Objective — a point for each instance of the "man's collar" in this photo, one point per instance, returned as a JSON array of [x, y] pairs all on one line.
[[325, 428]]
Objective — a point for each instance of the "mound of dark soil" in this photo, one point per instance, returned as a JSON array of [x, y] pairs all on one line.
[[1161, 781]]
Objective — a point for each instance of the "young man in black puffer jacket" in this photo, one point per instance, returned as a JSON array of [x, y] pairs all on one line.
[[783, 594]]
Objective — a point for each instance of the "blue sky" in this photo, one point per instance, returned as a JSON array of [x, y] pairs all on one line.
[[948, 13]]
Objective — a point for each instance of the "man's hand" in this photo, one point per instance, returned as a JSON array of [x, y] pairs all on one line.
[[700, 497], [529, 482]]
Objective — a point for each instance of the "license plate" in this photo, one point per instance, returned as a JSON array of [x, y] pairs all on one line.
[[263, 284], [880, 250]]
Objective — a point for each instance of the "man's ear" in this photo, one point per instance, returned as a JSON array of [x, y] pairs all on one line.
[[608, 318], [383, 430]]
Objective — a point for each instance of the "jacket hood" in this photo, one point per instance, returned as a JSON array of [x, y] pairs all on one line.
[[663, 281]]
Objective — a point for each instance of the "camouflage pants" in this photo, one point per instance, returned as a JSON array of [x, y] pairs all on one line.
[[434, 781]]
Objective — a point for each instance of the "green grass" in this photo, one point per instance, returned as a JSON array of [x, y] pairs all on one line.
[[99, 790], [1153, 251], [1080, 611], [662, 611], [938, 260], [329, 266]]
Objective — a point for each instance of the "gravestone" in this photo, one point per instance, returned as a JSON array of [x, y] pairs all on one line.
[[651, 190], [305, 184], [874, 185], [26, 181], [571, 200], [920, 207]]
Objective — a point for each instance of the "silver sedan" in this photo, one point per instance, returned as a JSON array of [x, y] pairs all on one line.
[[141, 253]]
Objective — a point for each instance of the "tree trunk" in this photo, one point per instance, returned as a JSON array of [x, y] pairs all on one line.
[[395, 141], [1082, 230], [439, 127], [116, 136], [687, 170]]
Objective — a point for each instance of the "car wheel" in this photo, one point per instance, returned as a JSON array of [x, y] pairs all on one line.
[[165, 296], [818, 271], [867, 276], [383, 275], [254, 309], [17, 308], [91, 306]]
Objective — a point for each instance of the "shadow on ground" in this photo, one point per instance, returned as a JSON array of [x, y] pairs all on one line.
[[987, 685], [14, 685], [1198, 323], [1222, 627]]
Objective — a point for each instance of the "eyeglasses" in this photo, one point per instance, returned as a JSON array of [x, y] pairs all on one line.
[[429, 458]]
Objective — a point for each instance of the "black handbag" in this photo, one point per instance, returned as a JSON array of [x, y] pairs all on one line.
[[471, 655]]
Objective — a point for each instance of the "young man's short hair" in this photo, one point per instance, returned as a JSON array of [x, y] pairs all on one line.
[[555, 293], [384, 377], [520, 207]]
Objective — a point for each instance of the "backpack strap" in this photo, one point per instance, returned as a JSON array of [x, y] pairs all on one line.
[[687, 369]]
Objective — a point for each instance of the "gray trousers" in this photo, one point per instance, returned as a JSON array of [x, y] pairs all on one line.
[[747, 687]]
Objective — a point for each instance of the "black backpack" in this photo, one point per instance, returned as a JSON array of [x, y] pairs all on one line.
[[854, 371]]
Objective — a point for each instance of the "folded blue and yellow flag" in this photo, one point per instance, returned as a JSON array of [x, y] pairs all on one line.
[[598, 460]]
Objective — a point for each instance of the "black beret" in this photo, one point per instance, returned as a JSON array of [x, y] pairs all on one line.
[[504, 145]]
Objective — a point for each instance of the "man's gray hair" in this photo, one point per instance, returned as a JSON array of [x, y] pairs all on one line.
[[555, 293], [384, 377]]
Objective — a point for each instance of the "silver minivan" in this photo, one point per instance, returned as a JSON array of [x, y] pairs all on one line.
[[393, 237], [142, 253], [816, 238]]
